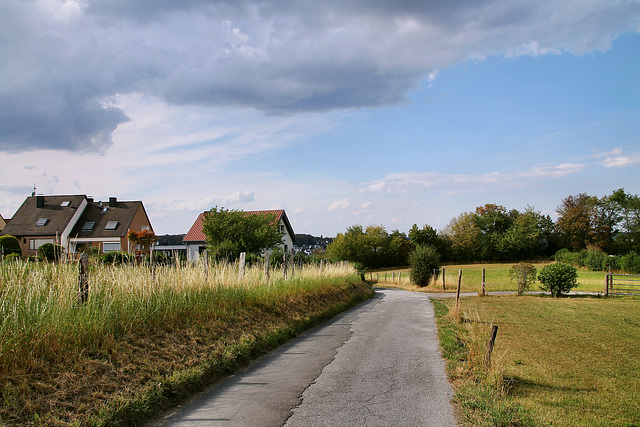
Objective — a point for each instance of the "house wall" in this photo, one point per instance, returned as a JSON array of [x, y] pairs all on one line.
[[140, 222], [25, 243], [2, 223]]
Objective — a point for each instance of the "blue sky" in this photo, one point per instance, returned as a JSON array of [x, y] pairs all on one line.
[[339, 113]]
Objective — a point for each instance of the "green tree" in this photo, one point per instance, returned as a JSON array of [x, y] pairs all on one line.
[[558, 278], [575, 222], [463, 235], [627, 208], [523, 274], [230, 232], [423, 261]]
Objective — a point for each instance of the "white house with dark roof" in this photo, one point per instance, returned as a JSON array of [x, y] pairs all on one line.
[[196, 241]]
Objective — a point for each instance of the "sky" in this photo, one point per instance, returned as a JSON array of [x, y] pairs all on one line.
[[340, 112]]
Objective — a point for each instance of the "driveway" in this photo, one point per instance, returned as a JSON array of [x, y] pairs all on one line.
[[375, 365]]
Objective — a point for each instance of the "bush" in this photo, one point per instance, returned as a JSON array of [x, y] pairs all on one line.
[[596, 260], [523, 274], [558, 278], [50, 252], [10, 245], [114, 257], [423, 261], [630, 263]]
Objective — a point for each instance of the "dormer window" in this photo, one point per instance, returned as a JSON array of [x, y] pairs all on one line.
[[88, 225], [41, 222], [111, 225]]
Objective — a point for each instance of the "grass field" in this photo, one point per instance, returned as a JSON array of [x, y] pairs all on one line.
[[496, 279], [142, 340], [565, 361]]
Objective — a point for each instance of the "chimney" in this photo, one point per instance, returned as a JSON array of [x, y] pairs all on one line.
[[39, 202], [89, 199], [112, 202]]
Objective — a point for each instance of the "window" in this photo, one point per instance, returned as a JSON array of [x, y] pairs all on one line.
[[282, 228], [111, 225], [110, 246], [65, 203], [36, 243], [88, 225], [41, 222]]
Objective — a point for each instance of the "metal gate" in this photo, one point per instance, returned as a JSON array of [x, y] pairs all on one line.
[[622, 284]]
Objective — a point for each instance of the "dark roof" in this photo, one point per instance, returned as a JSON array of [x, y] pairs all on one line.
[[57, 216], [119, 217], [196, 232], [170, 239]]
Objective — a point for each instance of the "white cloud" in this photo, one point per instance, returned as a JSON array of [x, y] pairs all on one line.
[[340, 205], [617, 158]]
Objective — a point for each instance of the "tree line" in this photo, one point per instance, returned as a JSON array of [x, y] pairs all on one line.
[[493, 233]]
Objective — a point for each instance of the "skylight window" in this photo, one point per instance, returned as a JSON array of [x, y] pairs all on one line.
[[111, 225], [41, 222], [65, 203], [88, 225]]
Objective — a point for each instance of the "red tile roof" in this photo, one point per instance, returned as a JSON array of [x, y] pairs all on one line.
[[196, 233]]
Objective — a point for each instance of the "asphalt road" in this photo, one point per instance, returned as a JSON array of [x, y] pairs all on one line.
[[375, 365]]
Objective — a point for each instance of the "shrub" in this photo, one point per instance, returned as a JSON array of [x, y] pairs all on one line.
[[566, 256], [50, 252], [595, 260], [423, 261], [10, 245], [630, 263], [523, 274], [114, 257], [558, 278]]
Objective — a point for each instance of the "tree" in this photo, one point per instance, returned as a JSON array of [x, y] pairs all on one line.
[[627, 207], [558, 278], [230, 232], [371, 248], [464, 236], [575, 221], [523, 274], [423, 261], [142, 240]]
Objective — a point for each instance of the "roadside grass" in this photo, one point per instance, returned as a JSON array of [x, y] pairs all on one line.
[[143, 341], [563, 361], [496, 279]]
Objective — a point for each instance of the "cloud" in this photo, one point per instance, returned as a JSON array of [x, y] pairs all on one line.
[[63, 61], [340, 205], [459, 183], [244, 196], [616, 158]]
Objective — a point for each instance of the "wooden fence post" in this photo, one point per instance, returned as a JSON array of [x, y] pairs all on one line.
[[444, 286], [267, 265], [284, 265], [393, 277], [205, 264], [483, 277], [83, 278], [458, 292], [492, 340], [242, 264]]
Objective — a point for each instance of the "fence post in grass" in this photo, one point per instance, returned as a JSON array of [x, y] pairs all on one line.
[[492, 340], [483, 277], [205, 264], [284, 265], [400, 277], [83, 278], [458, 292], [266, 266], [607, 279], [444, 286], [241, 269]]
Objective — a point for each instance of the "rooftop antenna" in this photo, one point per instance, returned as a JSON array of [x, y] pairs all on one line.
[[34, 190]]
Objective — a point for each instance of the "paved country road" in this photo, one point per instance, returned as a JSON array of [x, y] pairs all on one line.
[[375, 365]]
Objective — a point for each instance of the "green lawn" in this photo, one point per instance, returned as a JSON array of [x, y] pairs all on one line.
[[496, 278], [568, 361]]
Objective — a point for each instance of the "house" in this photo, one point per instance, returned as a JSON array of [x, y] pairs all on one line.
[[196, 241], [76, 222], [105, 225], [172, 245]]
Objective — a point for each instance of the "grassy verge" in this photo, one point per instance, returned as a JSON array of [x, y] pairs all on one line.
[[496, 279], [143, 342], [568, 361]]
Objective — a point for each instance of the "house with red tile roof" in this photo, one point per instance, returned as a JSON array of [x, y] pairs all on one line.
[[196, 241]]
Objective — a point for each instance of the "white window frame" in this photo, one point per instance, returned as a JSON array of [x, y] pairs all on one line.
[[34, 244], [111, 246]]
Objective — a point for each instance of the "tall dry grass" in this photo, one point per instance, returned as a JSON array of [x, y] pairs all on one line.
[[41, 317]]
